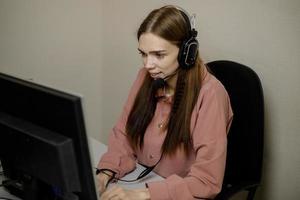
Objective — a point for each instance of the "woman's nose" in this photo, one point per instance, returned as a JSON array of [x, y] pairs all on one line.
[[149, 63]]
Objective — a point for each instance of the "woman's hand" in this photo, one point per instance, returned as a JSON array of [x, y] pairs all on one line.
[[102, 179], [116, 192]]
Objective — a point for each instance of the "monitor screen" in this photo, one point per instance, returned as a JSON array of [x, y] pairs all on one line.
[[43, 144]]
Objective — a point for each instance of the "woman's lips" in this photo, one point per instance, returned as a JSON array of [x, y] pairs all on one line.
[[155, 75]]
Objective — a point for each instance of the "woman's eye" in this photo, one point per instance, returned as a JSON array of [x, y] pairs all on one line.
[[160, 56], [142, 54]]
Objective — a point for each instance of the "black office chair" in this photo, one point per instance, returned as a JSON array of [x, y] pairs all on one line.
[[245, 138]]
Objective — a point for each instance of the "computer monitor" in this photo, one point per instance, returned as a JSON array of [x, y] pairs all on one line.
[[43, 143]]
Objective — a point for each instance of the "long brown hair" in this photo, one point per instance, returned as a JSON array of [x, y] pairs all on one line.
[[169, 24]]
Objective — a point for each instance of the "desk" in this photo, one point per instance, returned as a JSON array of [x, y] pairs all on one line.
[[97, 149]]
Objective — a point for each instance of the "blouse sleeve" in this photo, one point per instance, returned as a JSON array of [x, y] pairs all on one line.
[[204, 180], [120, 157]]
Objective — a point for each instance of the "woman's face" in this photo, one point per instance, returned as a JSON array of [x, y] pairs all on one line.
[[159, 55]]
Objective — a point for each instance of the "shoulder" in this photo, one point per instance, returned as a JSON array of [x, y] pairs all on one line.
[[212, 90], [137, 83], [139, 77], [141, 74], [211, 85], [142, 71]]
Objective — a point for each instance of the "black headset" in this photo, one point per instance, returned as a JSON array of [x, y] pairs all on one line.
[[188, 50]]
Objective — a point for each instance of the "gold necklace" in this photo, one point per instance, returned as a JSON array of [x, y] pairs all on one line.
[[160, 125]]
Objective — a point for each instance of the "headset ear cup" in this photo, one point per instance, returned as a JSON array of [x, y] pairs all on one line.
[[188, 52]]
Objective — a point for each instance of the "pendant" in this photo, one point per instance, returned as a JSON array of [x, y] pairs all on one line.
[[160, 125]]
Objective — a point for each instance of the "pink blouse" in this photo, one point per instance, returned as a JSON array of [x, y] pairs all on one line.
[[200, 175]]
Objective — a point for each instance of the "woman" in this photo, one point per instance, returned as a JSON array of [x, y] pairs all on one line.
[[176, 118]]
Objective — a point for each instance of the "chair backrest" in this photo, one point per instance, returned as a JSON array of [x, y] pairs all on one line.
[[245, 138]]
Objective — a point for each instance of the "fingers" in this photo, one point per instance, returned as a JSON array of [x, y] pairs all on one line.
[[114, 193], [101, 182]]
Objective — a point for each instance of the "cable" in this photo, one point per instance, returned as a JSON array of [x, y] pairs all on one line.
[[144, 173]]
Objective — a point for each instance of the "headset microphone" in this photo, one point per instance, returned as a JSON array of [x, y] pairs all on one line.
[[161, 82]]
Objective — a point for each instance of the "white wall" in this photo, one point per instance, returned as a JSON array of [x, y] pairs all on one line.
[[89, 47], [56, 43]]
